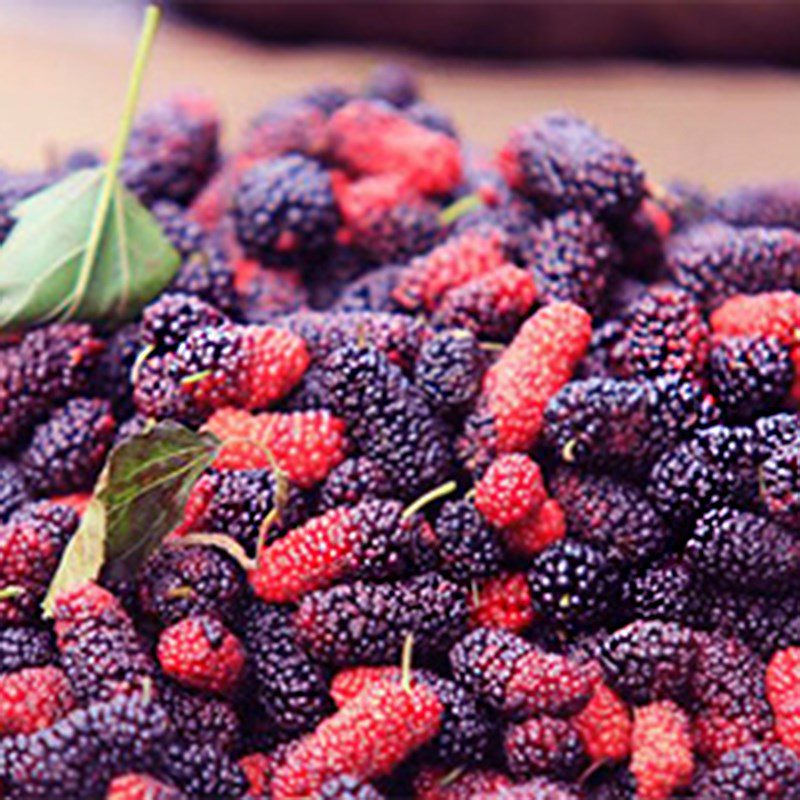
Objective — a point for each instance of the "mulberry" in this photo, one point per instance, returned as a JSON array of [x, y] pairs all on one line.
[[354, 480], [23, 647], [67, 452], [363, 623], [750, 376], [665, 334], [661, 758], [744, 552], [648, 661], [185, 234], [775, 205], [605, 726], [388, 418], [573, 584], [518, 386], [31, 544], [492, 306], [561, 162], [510, 491], [305, 445], [467, 546], [714, 261], [79, 755], [394, 83], [571, 259], [289, 687], [169, 320], [202, 772], [513, 676], [449, 370], [373, 540], [771, 772], [285, 208], [13, 489], [101, 651], [544, 746], [778, 485], [172, 150], [612, 515], [371, 138], [201, 653], [367, 738], [134, 786], [33, 698], [189, 581], [502, 601], [206, 275]]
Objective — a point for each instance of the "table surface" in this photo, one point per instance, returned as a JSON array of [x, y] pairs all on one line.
[[63, 73]]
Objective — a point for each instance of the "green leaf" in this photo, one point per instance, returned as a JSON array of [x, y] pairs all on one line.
[[138, 499], [83, 556], [86, 248], [49, 269]]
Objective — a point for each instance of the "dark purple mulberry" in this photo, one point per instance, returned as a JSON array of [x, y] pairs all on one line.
[[346, 787], [775, 205], [67, 452], [207, 275], [544, 746], [367, 623], [200, 718], [600, 421], [180, 582], [467, 546], [432, 117], [768, 772], [184, 234], [571, 259], [561, 162], [169, 320], [289, 687], [354, 480], [714, 261], [285, 208], [395, 84], [664, 334], [101, 651], [750, 376], [573, 584], [715, 467], [82, 752], [241, 501], [648, 661], [744, 552], [665, 590], [779, 484], [449, 369], [388, 418], [24, 647], [172, 150], [610, 514], [398, 336], [202, 771], [13, 489]]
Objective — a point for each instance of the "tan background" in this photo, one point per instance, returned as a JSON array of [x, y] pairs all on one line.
[[62, 75]]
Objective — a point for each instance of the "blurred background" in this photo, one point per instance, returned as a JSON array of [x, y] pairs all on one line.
[[704, 90]]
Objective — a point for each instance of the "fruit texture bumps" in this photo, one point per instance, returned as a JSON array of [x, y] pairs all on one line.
[[101, 651], [373, 539], [368, 623], [518, 386], [304, 445], [388, 418], [367, 738], [33, 698], [561, 162]]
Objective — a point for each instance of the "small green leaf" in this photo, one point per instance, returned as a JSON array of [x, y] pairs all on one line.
[[149, 478], [47, 271], [138, 499], [86, 248]]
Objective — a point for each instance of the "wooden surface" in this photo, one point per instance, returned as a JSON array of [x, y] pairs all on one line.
[[63, 72]]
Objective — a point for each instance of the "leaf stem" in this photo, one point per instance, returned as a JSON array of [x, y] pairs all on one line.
[[149, 26]]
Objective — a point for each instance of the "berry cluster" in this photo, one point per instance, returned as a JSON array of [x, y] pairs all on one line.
[[507, 497]]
